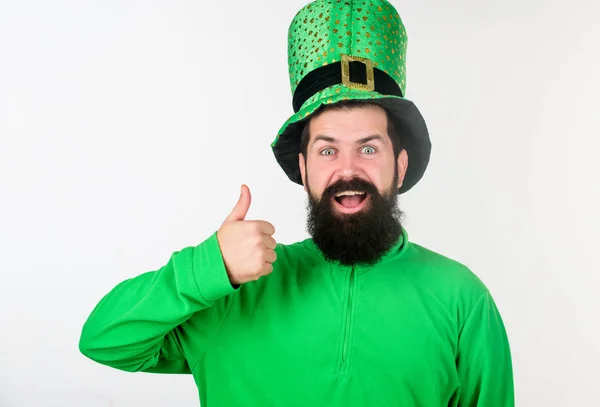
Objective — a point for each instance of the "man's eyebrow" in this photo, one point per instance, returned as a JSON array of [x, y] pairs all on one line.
[[359, 141], [370, 138], [324, 138]]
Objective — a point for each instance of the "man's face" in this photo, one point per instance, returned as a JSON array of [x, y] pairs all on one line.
[[352, 180]]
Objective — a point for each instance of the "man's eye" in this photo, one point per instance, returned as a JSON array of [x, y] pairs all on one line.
[[367, 148], [327, 149]]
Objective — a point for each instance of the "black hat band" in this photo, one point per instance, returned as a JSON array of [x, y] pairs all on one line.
[[358, 73]]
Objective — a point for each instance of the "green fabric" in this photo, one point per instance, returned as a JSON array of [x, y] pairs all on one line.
[[418, 329], [325, 29], [330, 96]]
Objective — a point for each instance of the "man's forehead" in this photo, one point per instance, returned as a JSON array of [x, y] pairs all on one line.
[[348, 132], [350, 118], [357, 140]]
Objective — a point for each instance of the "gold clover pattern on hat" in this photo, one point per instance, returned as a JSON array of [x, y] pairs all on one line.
[[322, 31], [327, 32]]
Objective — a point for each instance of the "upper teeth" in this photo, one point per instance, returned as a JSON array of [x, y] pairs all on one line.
[[349, 193]]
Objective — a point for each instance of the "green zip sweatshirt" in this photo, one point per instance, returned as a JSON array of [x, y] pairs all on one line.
[[417, 329]]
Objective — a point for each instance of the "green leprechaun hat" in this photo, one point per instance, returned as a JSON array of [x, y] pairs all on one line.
[[350, 50]]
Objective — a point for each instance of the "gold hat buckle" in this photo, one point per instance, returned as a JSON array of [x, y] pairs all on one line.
[[346, 59]]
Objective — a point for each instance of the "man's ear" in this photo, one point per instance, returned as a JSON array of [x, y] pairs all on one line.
[[302, 166], [402, 166]]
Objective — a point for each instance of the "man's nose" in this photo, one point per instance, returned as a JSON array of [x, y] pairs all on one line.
[[348, 167]]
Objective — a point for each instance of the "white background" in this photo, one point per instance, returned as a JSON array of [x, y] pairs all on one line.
[[127, 128]]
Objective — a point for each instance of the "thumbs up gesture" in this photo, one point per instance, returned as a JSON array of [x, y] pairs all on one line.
[[247, 246]]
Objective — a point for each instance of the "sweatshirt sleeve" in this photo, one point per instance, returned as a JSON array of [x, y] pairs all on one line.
[[137, 326], [484, 360]]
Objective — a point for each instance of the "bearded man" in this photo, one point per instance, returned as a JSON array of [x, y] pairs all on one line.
[[355, 315]]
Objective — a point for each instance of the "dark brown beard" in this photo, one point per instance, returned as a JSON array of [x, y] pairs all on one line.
[[358, 238]]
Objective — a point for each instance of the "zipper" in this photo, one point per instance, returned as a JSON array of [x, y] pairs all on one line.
[[348, 324]]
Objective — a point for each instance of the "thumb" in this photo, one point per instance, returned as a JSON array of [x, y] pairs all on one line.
[[241, 208]]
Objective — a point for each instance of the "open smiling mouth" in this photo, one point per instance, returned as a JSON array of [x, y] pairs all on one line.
[[350, 201]]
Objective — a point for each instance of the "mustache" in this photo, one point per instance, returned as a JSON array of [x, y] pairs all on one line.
[[355, 184]]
